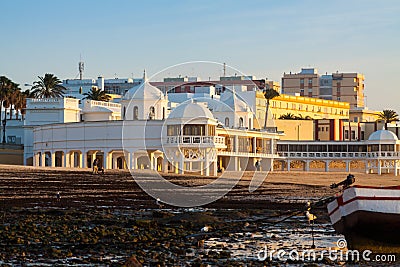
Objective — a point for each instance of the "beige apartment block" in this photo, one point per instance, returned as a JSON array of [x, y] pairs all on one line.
[[304, 83], [347, 87]]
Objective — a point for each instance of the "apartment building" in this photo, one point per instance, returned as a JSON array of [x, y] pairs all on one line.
[[347, 87]]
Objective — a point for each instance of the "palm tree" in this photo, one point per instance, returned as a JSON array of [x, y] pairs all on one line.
[[300, 117], [5, 88], [96, 94], [308, 117], [48, 87], [268, 94], [10, 99], [388, 115], [288, 116]]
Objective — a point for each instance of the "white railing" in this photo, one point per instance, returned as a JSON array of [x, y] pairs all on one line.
[[44, 100], [194, 139], [387, 154], [247, 154], [94, 103], [53, 102]]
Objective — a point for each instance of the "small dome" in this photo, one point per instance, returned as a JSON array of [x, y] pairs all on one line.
[[191, 110], [230, 102], [144, 91], [383, 135]]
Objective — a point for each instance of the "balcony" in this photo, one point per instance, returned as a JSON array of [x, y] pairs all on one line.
[[194, 140]]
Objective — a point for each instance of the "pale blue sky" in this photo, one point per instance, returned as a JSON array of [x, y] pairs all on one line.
[[261, 38]]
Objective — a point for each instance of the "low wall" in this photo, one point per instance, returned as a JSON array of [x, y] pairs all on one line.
[[11, 154]]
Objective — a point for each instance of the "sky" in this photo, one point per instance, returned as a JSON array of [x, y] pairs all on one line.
[[256, 37]]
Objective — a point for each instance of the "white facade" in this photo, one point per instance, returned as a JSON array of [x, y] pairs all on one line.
[[141, 133], [100, 111], [43, 111]]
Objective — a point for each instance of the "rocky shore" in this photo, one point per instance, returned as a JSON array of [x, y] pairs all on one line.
[[105, 220]]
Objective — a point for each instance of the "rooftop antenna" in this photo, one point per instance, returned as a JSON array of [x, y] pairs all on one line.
[[224, 69], [81, 67]]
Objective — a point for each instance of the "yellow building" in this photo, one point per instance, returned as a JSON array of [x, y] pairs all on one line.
[[273, 85], [314, 108], [364, 115]]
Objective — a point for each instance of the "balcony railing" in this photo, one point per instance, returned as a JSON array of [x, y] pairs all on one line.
[[330, 155], [194, 139]]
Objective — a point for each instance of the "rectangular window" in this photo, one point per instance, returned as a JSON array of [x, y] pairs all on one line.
[[346, 134], [310, 81], [353, 135]]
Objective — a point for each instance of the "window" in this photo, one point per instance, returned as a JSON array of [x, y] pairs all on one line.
[[226, 122], [240, 122], [173, 130], [310, 81], [152, 113], [135, 113], [194, 129], [163, 113], [124, 113], [353, 135], [301, 83], [346, 134]]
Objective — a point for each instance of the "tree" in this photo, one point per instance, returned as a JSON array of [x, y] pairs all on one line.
[[11, 97], [22, 102], [96, 94], [269, 94], [288, 116], [388, 116], [5, 88], [48, 87]]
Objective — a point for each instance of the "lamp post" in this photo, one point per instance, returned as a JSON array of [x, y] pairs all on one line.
[[4, 128], [298, 132]]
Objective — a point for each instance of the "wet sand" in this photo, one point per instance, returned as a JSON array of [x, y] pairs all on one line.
[[104, 219]]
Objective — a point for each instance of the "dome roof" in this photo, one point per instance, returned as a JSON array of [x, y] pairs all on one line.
[[230, 102], [191, 110], [383, 135], [144, 91]]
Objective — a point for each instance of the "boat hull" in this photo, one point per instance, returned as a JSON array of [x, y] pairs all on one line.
[[368, 217]]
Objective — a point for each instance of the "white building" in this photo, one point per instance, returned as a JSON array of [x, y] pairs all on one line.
[[198, 134]]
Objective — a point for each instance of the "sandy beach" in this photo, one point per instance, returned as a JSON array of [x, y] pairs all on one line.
[[105, 219]]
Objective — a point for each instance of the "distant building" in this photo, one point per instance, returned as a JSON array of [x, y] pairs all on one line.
[[187, 84], [347, 87], [76, 88]]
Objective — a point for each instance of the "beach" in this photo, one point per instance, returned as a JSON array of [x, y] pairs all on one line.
[[71, 217]]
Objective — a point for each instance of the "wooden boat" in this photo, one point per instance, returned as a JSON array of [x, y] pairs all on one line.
[[368, 217]]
